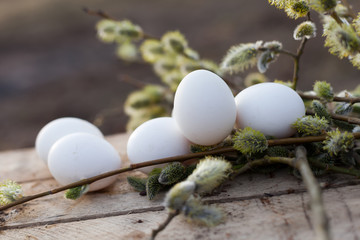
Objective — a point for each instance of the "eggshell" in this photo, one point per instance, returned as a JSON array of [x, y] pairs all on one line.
[[270, 108], [155, 139], [58, 128], [82, 155], [204, 108]]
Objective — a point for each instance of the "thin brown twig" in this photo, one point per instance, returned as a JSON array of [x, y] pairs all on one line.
[[320, 220], [181, 158], [332, 168], [132, 81], [349, 7], [297, 62], [352, 120], [336, 17], [102, 14], [350, 100], [290, 161], [163, 225], [98, 13], [281, 51]]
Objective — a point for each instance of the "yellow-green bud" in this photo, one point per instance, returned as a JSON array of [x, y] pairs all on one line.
[[240, 57], [209, 174], [305, 30], [151, 50], [324, 90], [311, 126], [106, 30], [178, 195], [10, 191], [323, 5], [296, 9], [337, 142], [127, 51], [174, 42], [249, 141]]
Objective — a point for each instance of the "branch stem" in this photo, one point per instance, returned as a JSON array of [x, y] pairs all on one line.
[[320, 220], [300, 162], [350, 100], [181, 158], [352, 120], [300, 51], [162, 226]]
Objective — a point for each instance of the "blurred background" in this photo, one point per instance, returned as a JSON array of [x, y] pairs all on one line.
[[52, 64]]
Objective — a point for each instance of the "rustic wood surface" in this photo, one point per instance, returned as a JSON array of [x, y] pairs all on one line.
[[257, 206]]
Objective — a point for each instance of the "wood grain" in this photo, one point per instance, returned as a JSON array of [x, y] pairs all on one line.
[[258, 206]]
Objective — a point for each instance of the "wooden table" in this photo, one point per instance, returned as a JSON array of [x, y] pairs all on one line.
[[257, 206]]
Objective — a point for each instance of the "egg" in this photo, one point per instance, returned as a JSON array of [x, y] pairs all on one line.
[[155, 139], [58, 128], [204, 108], [270, 108], [82, 155]]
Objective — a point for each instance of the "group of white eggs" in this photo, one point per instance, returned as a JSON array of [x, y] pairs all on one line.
[[205, 112]]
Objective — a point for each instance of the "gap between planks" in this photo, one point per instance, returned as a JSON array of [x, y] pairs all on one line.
[[161, 208]]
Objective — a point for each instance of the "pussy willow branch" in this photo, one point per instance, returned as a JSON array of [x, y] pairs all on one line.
[[349, 7], [297, 62], [320, 220], [352, 120], [300, 162], [162, 226], [98, 13], [104, 15], [350, 100], [336, 17], [181, 158], [299, 53]]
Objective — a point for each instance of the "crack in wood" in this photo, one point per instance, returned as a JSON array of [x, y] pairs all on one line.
[[160, 208], [83, 218], [305, 212], [348, 214]]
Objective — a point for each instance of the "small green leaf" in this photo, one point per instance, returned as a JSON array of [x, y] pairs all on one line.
[[277, 151], [343, 125], [139, 184], [76, 192], [321, 110], [189, 170], [153, 186], [348, 159], [172, 173], [155, 171]]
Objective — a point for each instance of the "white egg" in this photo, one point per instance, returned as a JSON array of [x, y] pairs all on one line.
[[82, 155], [155, 139], [204, 108], [58, 128], [270, 108]]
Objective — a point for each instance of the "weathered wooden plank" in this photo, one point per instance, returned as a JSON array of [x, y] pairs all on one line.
[[120, 198], [24, 165], [278, 217], [112, 212]]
